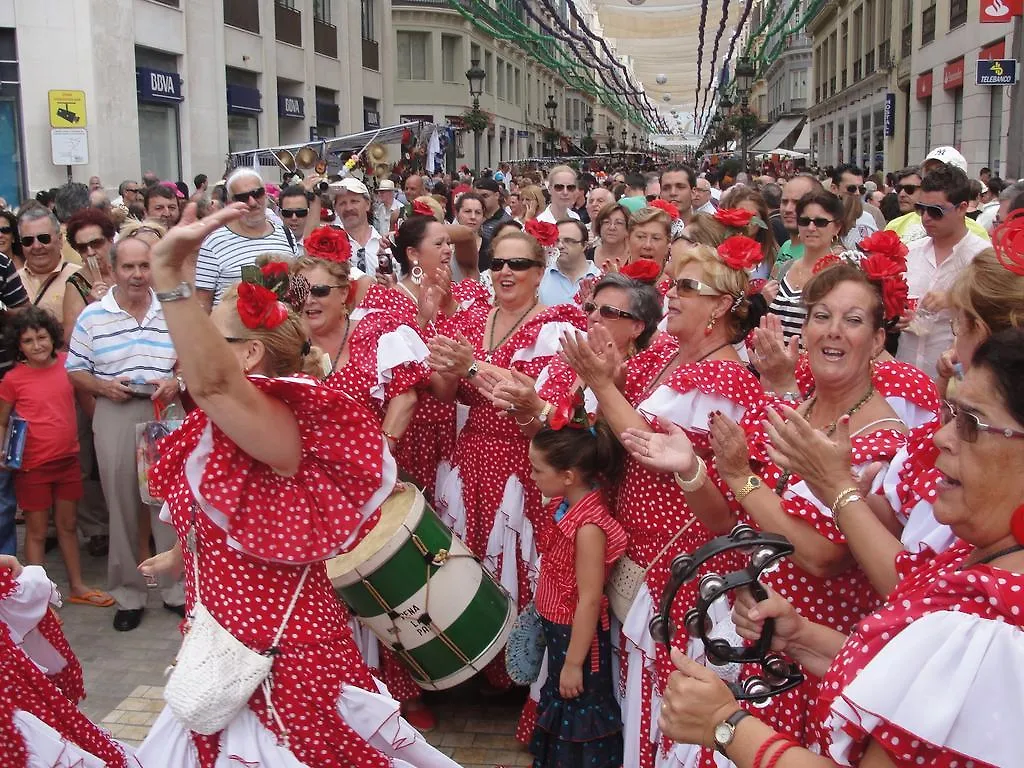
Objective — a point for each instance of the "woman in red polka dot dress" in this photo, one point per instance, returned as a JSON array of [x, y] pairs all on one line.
[[260, 516], [679, 383], [928, 678]]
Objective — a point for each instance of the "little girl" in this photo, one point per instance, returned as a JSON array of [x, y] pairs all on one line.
[[39, 389], [578, 720]]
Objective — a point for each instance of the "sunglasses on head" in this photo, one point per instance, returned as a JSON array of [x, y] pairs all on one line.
[[291, 213], [818, 221], [29, 240], [145, 231], [934, 211], [689, 286], [969, 426], [243, 197], [852, 188], [322, 290], [516, 265], [564, 187], [94, 244], [6, 230], [608, 312], [910, 189]]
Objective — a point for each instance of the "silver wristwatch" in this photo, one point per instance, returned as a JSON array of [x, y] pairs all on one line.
[[725, 731], [183, 291]]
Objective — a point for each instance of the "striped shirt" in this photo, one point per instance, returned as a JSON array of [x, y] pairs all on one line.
[[788, 305], [12, 294], [223, 254], [110, 343]]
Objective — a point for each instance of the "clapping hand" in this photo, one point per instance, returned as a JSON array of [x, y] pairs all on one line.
[[729, 443], [595, 359], [775, 359], [515, 394], [670, 451], [450, 356]]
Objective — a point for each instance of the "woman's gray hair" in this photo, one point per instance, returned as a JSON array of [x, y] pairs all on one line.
[[644, 303]]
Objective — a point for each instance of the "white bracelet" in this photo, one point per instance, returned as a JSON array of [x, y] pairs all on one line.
[[697, 481]]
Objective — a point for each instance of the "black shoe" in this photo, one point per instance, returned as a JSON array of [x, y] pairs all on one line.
[[98, 546], [125, 620], [178, 609]]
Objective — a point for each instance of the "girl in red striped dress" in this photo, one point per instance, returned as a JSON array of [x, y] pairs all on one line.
[[578, 720]]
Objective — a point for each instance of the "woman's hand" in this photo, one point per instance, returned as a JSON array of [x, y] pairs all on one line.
[[431, 299], [450, 356], [570, 682], [167, 563], [10, 561], [770, 290], [695, 701], [183, 240], [822, 462], [749, 614], [668, 452], [98, 291], [595, 359], [729, 443], [774, 359], [516, 394]]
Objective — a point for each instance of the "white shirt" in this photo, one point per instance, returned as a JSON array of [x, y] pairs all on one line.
[[368, 261], [549, 217], [864, 226]]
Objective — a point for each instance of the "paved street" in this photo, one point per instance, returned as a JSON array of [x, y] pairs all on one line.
[[124, 672]]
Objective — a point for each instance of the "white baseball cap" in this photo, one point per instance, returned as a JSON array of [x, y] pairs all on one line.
[[948, 155], [386, 185], [348, 184]]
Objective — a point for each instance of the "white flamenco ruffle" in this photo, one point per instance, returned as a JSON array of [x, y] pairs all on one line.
[[448, 501], [548, 343], [398, 347], [689, 410], [909, 413], [891, 482], [802, 490], [950, 679], [366, 642], [589, 398], [48, 749], [511, 539], [374, 716], [24, 608], [920, 528]]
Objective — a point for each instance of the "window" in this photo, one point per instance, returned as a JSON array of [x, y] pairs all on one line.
[[958, 116], [957, 13], [413, 55], [995, 130], [449, 57], [928, 121], [928, 23], [366, 19], [322, 11], [516, 90], [489, 69], [501, 79]]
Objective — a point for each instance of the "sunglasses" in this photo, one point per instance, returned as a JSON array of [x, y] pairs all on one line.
[[818, 221], [933, 211], [564, 187], [689, 287], [852, 188], [243, 197], [6, 230], [94, 244], [144, 231], [968, 425], [608, 312], [323, 290], [291, 213], [910, 189], [29, 240], [516, 265]]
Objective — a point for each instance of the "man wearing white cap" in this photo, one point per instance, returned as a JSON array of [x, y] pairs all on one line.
[[352, 206]]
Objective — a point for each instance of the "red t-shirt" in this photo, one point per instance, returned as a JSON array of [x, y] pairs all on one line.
[[45, 399]]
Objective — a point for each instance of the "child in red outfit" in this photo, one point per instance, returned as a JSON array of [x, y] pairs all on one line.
[[39, 390], [578, 720]]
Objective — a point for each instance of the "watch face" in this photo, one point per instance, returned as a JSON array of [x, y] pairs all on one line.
[[755, 481], [723, 733]]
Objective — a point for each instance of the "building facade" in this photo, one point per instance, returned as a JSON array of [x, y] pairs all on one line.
[[174, 92]]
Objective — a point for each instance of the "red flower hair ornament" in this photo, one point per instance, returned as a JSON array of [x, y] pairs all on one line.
[[824, 262], [1008, 242], [329, 244], [543, 232], [740, 252], [642, 270], [265, 293], [571, 412], [885, 243], [420, 208], [888, 271], [738, 218], [666, 206]]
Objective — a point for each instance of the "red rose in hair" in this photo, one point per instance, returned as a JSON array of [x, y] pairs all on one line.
[[894, 297], [570, 412], [275, 269], [1008, 242], [666, 206], [642, 270], [258, 307], [737, 218], [877, 266], [886, 243], [420, 208], [543, 232], [824, 262], [329, 244], [740, 252]]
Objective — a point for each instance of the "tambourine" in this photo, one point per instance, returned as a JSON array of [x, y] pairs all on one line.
[[765, 549]]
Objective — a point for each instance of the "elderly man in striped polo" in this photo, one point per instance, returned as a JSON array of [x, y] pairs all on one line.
[[122, 358]]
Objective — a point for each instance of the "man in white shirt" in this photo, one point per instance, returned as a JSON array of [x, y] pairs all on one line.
[[387, 208], [702, 200], [848, 184], [562, 279], [352, 206], [933, 264], [562, 186]]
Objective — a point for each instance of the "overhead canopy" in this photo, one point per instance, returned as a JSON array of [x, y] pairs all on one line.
[[777, 135], [803, 141]]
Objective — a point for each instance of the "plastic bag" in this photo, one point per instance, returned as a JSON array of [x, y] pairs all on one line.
[[147, 437]]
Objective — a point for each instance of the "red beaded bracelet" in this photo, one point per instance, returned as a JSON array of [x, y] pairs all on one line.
[[762, 751]]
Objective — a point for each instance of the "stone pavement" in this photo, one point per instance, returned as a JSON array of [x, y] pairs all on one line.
[[124, 672]]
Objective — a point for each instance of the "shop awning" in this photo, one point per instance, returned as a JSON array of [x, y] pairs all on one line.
[[776, 136], [803, 142]]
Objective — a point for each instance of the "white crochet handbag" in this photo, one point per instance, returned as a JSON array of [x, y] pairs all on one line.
[[215, 674]]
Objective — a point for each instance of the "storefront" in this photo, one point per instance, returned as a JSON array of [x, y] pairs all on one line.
[[328, 118], [244, 108], [12, 183], [159, 93], [291, 112]]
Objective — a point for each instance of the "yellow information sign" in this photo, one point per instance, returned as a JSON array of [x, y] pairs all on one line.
[[67, 109]]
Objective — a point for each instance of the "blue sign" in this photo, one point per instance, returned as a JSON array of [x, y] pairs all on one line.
[[371, 119], [244, 101], [997, 71], [522, 134], [156, 86], [890, 114], [291, 106]]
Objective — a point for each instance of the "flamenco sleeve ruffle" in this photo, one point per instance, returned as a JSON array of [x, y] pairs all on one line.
[[326, 507], [400, 363], [541, 338], [908, 391]]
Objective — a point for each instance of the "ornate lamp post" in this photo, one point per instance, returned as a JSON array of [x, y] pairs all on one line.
[[611, 136], [475, 75], [745, 74], [588, 123], [551, 107], [624, 134]]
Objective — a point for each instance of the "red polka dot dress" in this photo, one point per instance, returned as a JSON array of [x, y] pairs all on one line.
[[41, 684], [652, 509], [933, 677], [257, 533]]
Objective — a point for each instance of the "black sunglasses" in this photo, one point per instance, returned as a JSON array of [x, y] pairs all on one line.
[[910, 189], [516, 265], [819, 221], [6, 230], [851, 188], [28, 240], [243, 197], [608, 312], [934, 211], [969, 426], [322, 290], [564, 187], [94, 244], [291, 213]]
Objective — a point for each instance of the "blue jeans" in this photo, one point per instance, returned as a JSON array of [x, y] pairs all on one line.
[[8, 507]]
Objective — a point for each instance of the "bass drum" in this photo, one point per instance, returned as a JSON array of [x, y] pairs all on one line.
[[425, 596]]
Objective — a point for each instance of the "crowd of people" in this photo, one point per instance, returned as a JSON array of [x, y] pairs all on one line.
[[587, 372]]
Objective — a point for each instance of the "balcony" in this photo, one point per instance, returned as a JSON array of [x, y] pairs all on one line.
[[884, 57], [288, 24], [243, 14], [371, 55], [172, 3], [857, 72], [325, 38], [869, 63], [928, 25], [907, 41]]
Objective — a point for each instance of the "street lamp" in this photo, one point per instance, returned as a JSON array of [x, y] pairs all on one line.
[[634, 143], [744, 75], [611, 136], [588, 122], [625, 133], [551, 107], [475, 75]]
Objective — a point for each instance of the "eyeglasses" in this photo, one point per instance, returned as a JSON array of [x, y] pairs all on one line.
[[291, 213], [910, 189], [564, 187], [516, 265], [687, 286], [608, 312], [968, 425], [131, 189], [243, 197], [933, 211], [6, 230], [94, 244], [29, 240], [568, 241], [145, 231], [322, 290], [613, 223], [854, 188], [818, 221]]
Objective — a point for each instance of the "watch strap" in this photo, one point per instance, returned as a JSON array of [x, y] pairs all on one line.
[[182, 291], [752, 484], [732, 721]]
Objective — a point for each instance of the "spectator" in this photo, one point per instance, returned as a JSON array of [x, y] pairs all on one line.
[[352, 206], [201, 182], [387, 208], [562, 279], [890, 207], [772, 194], [150, 179], [98, 199], [127, 193], [908, 225], [300, 212], [800, 185], [701, 195], [412, 187], [562, 186], [161, 204], [533, 202], [45, 273], [10, 245], [677, 182], [489, 193], [974, 200], [858, 222]]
